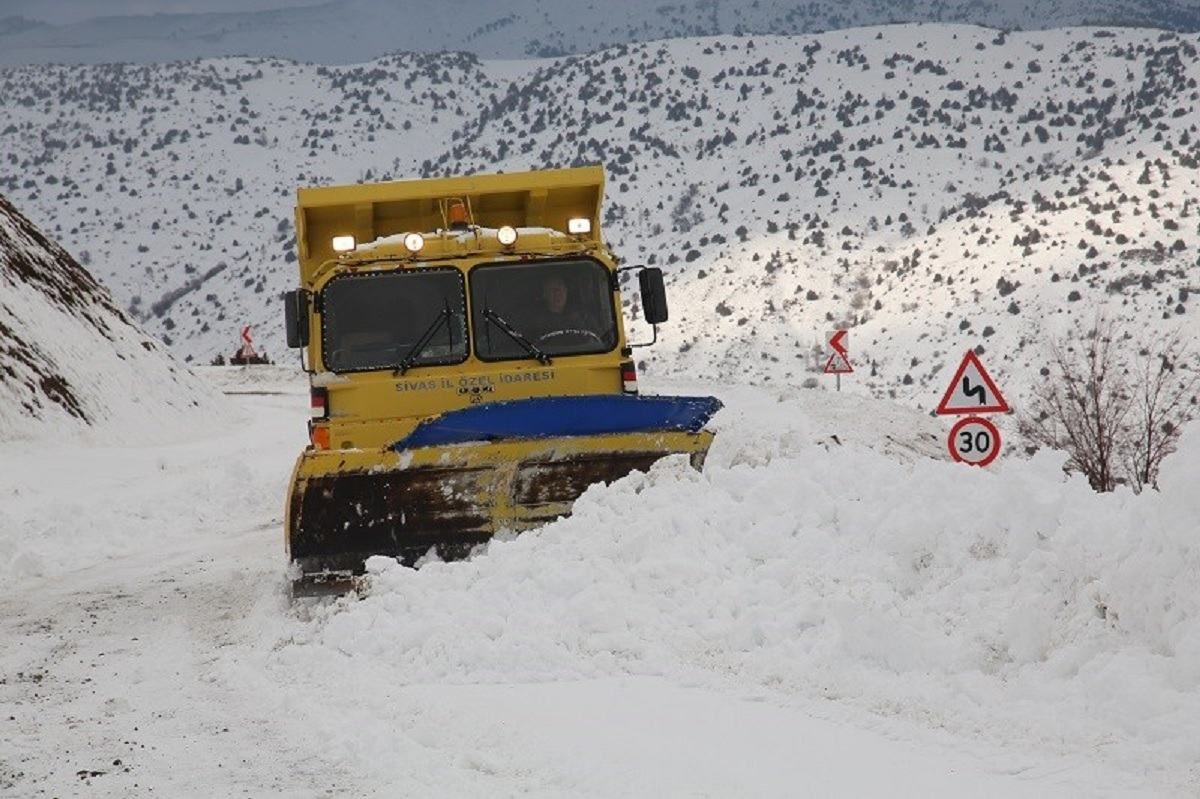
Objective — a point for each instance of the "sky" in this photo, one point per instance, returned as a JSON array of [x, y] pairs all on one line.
[[71, 11], [68, 11]]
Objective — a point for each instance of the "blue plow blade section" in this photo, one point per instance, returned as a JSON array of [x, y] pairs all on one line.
[[553, 417]]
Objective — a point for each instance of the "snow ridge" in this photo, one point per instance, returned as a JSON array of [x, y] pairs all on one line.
[[339, 31], [69, 358]]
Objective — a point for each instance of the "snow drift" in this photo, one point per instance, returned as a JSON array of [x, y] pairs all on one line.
[[69, 358], [1012, 604], [829, 564]]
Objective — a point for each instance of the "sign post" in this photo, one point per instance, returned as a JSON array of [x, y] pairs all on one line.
[[973, 440], [839, 360]]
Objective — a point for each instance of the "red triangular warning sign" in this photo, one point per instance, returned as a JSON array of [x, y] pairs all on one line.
[[838, 364], [972, 390]]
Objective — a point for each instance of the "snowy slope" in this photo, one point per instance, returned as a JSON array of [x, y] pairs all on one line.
[[343, 31], [933, 187], [185, 175], [823, 611], [69, 358]]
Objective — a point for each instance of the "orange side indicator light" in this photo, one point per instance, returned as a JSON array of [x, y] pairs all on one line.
[[319, 435]]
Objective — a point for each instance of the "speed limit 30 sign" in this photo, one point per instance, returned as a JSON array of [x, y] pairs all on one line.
[[974, 440]]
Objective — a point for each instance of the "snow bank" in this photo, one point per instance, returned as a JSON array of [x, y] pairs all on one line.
[[1013, 604], [70, 359]]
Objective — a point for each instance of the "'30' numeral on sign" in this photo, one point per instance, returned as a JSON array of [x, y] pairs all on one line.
[[974, 440]]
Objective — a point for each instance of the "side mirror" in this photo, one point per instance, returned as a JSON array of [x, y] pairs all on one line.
[[295, 317], [654, 295]]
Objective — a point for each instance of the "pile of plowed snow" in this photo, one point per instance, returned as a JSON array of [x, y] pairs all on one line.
[[69, 358], [1012, 604]]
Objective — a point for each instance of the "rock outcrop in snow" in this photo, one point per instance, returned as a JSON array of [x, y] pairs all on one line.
[[68, 356]]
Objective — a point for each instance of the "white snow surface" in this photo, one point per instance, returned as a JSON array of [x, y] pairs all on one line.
[[831, 608]]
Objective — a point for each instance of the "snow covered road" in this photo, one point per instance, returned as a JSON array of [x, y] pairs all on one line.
[[806, 618]]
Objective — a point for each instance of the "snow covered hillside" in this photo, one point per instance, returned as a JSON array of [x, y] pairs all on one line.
[[342, 31], [830, 609], [69, 358], [935, 188]]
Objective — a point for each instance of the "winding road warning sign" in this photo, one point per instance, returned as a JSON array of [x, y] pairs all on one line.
[[974, 440], [972, 390]]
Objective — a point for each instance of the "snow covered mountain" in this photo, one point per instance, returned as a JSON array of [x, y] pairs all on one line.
[[343, 31], [68, 355], [935, 188]]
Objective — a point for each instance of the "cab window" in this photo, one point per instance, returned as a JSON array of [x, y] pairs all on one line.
[[378, 320], [562, 307]]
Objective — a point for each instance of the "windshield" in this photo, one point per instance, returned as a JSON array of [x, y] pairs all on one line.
[[377, 320], [560, 307]]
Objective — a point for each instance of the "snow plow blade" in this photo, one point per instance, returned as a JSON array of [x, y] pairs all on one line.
[[347, 505], [460, 478]]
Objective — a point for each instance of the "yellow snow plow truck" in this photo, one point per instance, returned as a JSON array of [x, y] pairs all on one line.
[[468, 364]]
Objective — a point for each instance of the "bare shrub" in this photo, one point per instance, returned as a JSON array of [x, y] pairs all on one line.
[[1115, 423], [1164, 400]]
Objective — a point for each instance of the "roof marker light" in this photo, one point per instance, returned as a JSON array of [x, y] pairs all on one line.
[[579, 226], [507, 235], [414, 242], [343, 243], [457, 216]]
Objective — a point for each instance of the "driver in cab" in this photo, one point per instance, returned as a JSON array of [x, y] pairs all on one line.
[[556, 315]]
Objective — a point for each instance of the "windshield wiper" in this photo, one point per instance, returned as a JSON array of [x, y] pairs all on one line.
[[516, 336], [410, 358]]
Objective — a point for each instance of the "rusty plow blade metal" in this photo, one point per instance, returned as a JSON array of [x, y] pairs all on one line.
[[351, 504]]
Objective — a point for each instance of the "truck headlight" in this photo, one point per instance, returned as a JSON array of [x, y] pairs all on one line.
[[579, 226], [507, 235], [414, 242], [343, 243]]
